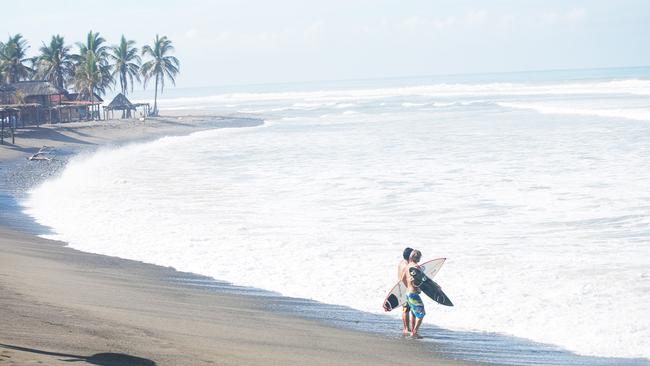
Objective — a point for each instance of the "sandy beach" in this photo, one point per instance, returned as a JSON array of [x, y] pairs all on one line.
[[60, 305], [89, 135]]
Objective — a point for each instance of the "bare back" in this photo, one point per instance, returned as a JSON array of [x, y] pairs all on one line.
[[406, 277]]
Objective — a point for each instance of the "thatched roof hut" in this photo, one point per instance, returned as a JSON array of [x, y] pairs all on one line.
[[31, 100], [120, 102], [35, 88]]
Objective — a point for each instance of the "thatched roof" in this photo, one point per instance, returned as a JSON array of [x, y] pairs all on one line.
[[36, 87], [78, 96], [120, 102]]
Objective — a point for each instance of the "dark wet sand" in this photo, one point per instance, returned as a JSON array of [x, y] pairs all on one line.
[[59, 304]]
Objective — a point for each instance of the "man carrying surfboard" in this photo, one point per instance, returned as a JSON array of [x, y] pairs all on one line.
[[415, 304], [401, 269]]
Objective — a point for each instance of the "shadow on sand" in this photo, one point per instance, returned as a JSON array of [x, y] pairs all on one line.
[[103, 359]]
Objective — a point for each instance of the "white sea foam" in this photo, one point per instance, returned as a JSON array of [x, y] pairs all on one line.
[[641, 114], [636, 87], [545, 225], [409, 104]]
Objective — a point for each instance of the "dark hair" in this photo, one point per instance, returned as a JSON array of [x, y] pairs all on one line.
[[407, 253]]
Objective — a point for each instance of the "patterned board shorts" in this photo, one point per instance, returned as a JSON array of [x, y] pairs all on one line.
[[416, 305]]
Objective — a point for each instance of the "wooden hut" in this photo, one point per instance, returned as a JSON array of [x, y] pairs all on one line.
[[78, 107], [36, 100], [122, 103], [8, 113]]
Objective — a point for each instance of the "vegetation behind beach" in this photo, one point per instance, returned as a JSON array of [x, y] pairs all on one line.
[[91, 67]]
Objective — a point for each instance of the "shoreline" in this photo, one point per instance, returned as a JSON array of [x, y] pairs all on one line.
[[59, 300], [80, 136], [31, 287], [74, 138], [61, 303]]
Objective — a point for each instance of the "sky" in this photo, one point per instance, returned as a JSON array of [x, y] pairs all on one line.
[[228, 42]]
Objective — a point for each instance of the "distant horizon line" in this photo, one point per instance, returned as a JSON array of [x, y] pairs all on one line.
[[415, 76]]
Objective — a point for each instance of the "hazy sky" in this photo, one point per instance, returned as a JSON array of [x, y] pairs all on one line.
[[260, 41]]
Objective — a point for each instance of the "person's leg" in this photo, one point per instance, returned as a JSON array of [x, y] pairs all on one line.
[[412, 325], [406, 319], [417, 310], [414, 333]]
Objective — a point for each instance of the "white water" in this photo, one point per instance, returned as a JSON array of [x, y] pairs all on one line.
[[545, 218]]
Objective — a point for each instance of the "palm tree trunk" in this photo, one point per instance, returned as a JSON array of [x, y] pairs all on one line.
[[92, 94], [155, 98], [59, 75]]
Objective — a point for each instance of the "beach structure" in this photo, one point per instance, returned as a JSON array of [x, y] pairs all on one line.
[[79, 107], [8, 114], [122, 103], [35, 99], [6, 120], [30, 101], [39, 101]]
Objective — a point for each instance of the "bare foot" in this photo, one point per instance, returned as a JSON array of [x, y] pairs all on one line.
[[416, 336]]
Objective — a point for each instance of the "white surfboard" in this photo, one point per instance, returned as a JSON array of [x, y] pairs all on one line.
[[396, 296]]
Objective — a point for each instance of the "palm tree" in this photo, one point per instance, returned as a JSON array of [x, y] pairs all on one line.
[[94, 44], [92, 67], [160, 66], [55, 62], [89, 77], [13, 59], [126, 63]]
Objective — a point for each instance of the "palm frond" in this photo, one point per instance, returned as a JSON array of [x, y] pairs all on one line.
[[14, 60], [161, 65], [92, 68]]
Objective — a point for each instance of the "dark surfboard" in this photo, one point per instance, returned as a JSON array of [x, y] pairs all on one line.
[[429, 287], [391, 302], [396, 296]]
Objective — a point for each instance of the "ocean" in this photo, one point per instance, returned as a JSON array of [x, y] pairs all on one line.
[[533, 185]]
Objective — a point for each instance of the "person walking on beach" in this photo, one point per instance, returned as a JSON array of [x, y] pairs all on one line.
[[400, 277], [415, 304]]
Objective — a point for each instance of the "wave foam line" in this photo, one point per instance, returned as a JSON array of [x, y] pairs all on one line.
[[632, 113], [639, 87]]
